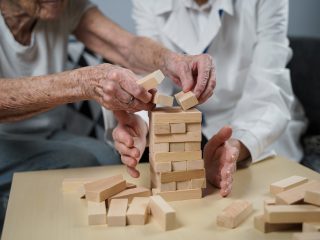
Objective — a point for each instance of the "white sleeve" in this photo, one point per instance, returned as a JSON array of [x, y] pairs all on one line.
[[263, 112]]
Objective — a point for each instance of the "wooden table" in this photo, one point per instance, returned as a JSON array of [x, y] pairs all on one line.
[[38, 210]]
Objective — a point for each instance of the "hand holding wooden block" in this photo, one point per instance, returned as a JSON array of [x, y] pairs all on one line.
[[186, 100], [162, 100]]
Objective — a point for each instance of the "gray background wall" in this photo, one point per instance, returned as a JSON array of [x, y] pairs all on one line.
[[304, 15]]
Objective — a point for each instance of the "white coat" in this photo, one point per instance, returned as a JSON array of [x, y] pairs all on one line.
[[249, 45]]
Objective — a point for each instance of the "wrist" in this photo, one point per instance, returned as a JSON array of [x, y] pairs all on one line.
[[243, 150]]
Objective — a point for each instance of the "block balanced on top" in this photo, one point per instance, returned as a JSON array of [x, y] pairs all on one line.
[[176, 164]]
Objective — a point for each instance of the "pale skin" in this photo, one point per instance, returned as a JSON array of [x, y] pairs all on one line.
[[221, 153], [111, 86]]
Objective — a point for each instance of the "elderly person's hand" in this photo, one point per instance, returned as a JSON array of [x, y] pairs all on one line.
[[130, 139], [115, 88], [196, 73], [221, 154]]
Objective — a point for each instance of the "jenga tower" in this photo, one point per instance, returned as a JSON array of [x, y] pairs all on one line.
[[176, 164]]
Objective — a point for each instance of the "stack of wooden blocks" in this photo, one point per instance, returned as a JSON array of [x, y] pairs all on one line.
[[295, 206], [176, 164]]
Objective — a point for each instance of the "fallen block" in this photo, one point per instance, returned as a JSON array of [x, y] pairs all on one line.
[[152, 80], [265, 227], [179, 194], [117, 212], [162, 100], [131, 193], [186, 100], [312, 197], [306, 236], [163, 213], [233, 215], [97, 213], [137, 213], [286, 184], [311, 227]]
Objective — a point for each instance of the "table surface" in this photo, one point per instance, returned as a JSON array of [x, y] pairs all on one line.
[[38, 209]]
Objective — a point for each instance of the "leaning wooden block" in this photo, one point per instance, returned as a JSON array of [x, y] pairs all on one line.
[[131, 193], [117, 212], [152, 80], [195, 164], [100, 190], [176, 147], [198, 183], [312, 197], [178, 128], [179, 166], [192, 146], [179, 194], [97, 213], [137, 213], [186, 100], [180, 176], [306, 236], [265, 227], [163, 213], [161, 128], [296, 195], [175, 115], [291, 213], [311, 227], [286, 184], [233, 215], [176, 156], [162, 100]]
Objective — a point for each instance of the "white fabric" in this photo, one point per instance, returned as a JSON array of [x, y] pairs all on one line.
[[250, 50], [46, 54]]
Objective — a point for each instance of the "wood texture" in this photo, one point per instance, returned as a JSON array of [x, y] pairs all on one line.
[[286, 184], [131, 193], [116, 216], [178, 128], [137, 213], [160, 147], [195, 164], [152, 80], [97, 213], [73, 184], [312, 197], [161, 166], [179, 137], [193, 127], [162, 100], [177, 147], [176, 156], [175, 115], [166, 177], [179, 195], [179, 166], [161, 128], [192, 146], [186, 100], [265, 227], [198, 183], [311, 227], [183, 185]]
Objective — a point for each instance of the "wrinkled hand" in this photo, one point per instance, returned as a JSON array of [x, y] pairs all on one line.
[[130, 139], [115, 88], [220, 155], [196, 73]]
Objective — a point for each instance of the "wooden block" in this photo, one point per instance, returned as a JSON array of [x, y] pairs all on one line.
[[286, 184], [162, 100], [178, 137], [175, 115], [233, 215], [131, 193], [117, 212], [184, 185], [291, 213], [186, 100], [198, 183], [193, 127], [306, 236], [296, 195], [195, 164], [160, 147], [270, 201], [261, 225], [97, 213], [176, 147], [179, 166], [180, 176], [160, 166], [192, 146], [137, 213], [178, 128], [152, 80], [311, 227], [166, 187], [130, 185], [102, 189], [312, 197], [176, 156], [161, 128], [163, 213], [179, 194]]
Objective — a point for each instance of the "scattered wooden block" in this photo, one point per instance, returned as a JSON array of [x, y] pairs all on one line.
[[194, 127], [186, 100], [137, 213], [179, 166], [233, 215], [176, 147], [163, 213], [100, 190], [261, 225], [192, 146], [178, 128], [117, 212], [166, 177], [162, 100], [184, 185], [175, 115], [286, 184], [296, 195], [198, 183], [291, 213], [71, 185], [311, 227], [179, 194], [160, 147], [178, 137], [152, 80], [306, 236], [161, 128], [97, 213], [131, 193], [195, 164], [312, 197], [176, 156], [160, 166]]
